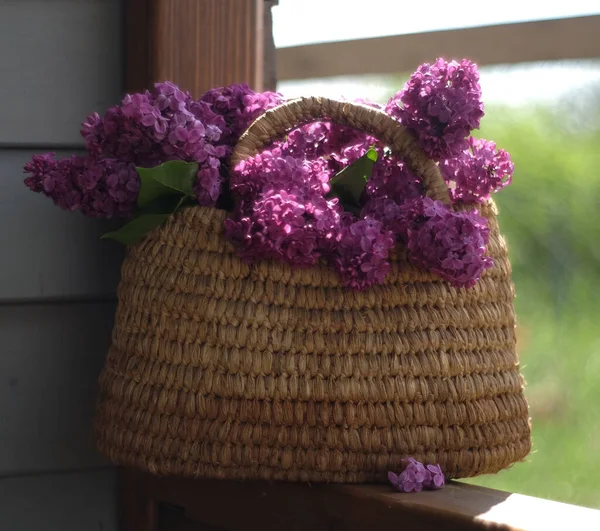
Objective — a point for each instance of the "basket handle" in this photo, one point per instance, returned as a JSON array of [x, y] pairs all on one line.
[[276, 122]]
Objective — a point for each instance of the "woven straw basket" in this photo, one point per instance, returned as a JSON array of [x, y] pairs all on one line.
[[219, 369]]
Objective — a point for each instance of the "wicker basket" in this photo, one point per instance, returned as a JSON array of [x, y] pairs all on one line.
[[219, 369]]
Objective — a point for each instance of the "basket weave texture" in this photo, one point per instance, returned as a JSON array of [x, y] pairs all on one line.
[[220, 369]]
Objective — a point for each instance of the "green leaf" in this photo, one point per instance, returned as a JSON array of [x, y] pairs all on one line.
[[175, 177], [153, 215], [349, 184], [163, 205], [136, 229]]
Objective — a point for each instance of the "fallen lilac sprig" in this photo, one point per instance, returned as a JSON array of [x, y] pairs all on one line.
[[417, 477]]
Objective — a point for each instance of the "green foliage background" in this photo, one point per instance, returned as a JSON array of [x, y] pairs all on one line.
[[550, 217]]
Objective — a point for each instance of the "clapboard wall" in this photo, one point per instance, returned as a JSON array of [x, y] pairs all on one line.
[[59, 61]]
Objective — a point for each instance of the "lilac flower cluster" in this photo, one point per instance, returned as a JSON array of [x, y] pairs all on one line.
[[145, 130], [361, 252], [394, 216], [394, 206], [339, 144], [281, 199], [441, 105], [239, 105], [448, 243], [99, 188], [393, 179], [150, 128], [451, 244], [478, 171], [280, 226], [282, 212], [417, 477], [282, 207], [275, 170]]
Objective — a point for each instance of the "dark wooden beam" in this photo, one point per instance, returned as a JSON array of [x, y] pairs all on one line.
[[197, 44], [137, 506], [545, 40], [204, 505]]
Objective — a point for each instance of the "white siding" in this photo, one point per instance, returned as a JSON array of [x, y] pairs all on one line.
[[60, 60], [50, 357], [83, 501], [46, 252]]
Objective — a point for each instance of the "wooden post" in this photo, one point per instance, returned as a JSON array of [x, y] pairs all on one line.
[[197, 44]]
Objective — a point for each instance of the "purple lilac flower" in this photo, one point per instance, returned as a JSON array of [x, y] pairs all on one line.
[[441, 104], [281, 211], [451, 244], [361, 253], [258, 103], [435, 478], [282, 226], [40, 167], [103, 188], [395, 217], [357, 248], [415, 477], [478, 171], [351, 152], [324, 138], [239, 105], [208, 183], [150, 128], [53, 178], [116, 136], [394, 480], [338, 144], [411, 479], [274, 170], [351, 145], [310, 141], [391, 178]]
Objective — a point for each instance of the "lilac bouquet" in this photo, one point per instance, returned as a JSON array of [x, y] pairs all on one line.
[[325, 193]]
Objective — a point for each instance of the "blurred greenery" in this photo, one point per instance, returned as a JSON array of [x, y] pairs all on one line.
[[550, 217]]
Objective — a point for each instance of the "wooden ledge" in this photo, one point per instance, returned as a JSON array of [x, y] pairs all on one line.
[[149, 503]]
